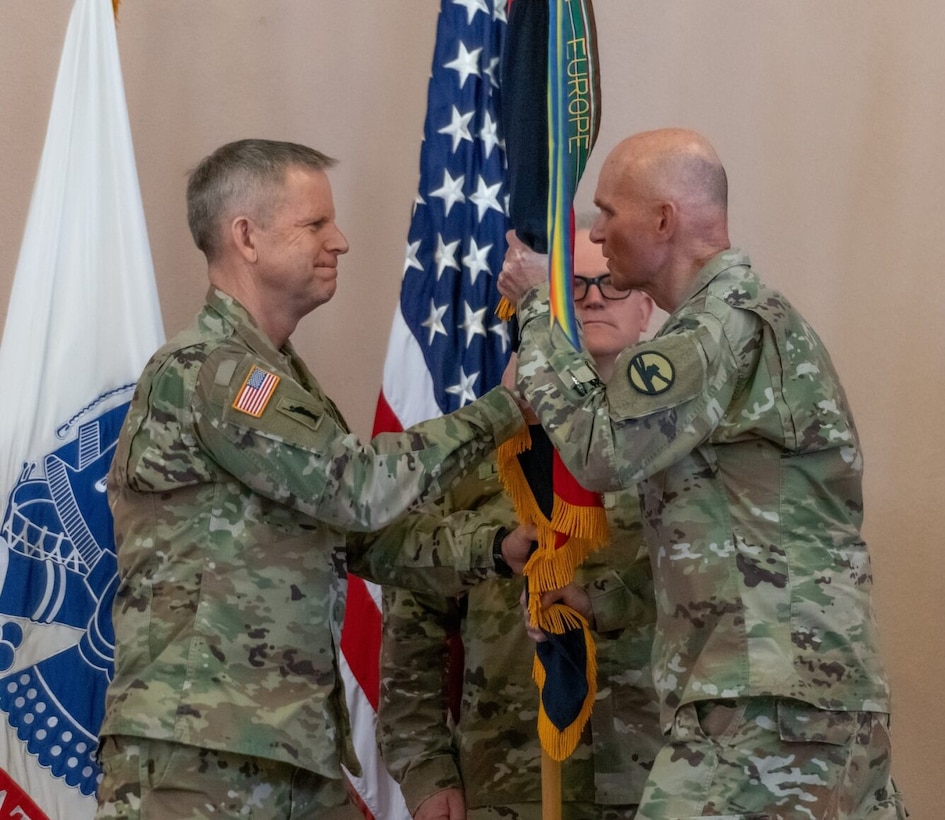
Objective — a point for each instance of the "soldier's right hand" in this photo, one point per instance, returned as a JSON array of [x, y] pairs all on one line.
[[572, 595]]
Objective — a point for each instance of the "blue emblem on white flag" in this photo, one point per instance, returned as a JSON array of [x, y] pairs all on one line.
[[83, 319], [58, 574]]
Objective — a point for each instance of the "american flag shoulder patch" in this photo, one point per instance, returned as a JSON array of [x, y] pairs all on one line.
[[256, 391]]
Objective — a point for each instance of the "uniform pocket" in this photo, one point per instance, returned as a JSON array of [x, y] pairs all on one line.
[[800, 722]]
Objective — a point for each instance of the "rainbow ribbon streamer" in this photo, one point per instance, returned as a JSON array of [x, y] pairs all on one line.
[[550, 118], [573, 125]]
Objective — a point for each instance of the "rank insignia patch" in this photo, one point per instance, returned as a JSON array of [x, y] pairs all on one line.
[[256, 391], [651, 373]]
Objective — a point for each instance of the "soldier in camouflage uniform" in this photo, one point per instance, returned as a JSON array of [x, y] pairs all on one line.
[[234, 486], [774, 699], [490, 764]]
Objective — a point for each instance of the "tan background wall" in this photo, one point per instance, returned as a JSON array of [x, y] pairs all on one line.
[[829, 116]]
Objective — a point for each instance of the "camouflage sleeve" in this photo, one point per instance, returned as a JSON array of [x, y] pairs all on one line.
[[295, 451], [413, 732], [618, 578], [435, 551], [666, 396], [618, 599]]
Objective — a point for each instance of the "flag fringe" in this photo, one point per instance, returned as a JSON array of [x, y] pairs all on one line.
[[505, 310], [560, 743], [581, 522], [564, 542], [585, 526], [552, 567], [513, 478]]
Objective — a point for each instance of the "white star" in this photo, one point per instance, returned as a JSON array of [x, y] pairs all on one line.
[[473, 323], [411, 260], [434, 322], [445, 256], [485, 197], [451, 191], [490, 71], [458, 128], [464, 388], [501, 330], [475, 260], [489, 134], [472, 6], [500, 13], [466, 63]]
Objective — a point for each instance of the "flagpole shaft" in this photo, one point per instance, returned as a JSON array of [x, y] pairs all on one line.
[[550, 787]]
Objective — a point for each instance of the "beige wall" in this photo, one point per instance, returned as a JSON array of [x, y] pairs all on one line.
[[829, 116]]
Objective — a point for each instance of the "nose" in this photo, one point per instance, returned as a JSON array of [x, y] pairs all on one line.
[[593, 299], [596, 233], [339, 243], [594, 295]]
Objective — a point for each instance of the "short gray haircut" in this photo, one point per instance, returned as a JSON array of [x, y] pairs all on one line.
[[246, 175]]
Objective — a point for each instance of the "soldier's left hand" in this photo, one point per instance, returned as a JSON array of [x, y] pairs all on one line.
[[522, 269]]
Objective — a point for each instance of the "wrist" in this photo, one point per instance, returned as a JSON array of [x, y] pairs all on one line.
[[499, 563]]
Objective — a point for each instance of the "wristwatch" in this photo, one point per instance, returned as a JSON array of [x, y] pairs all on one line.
[[501, 567]]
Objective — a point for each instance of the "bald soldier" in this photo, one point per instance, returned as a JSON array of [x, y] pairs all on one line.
[[775, 702], [236, 486]]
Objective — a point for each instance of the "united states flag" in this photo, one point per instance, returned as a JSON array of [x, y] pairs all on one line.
[[256, 392], [446, 345]]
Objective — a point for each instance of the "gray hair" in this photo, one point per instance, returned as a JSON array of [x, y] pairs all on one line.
[[246, 175]]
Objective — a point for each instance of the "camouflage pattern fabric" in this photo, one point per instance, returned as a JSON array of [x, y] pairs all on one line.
[[773, 759], [494, 753], [734, 420], [569, 811], [156, 779], [232, 495]]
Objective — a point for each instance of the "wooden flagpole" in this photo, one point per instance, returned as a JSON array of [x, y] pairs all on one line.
[[550, 787]]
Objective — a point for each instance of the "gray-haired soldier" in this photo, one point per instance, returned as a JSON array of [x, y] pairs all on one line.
[[774, 698], [234, 484]]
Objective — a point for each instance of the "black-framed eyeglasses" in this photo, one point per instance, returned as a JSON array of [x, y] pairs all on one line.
[[604, 284]]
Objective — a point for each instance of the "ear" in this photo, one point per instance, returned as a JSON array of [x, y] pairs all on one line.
[[667, 219], [243, 233], [646, 310]]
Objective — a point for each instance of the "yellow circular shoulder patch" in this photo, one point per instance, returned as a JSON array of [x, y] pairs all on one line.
[[651, 373]]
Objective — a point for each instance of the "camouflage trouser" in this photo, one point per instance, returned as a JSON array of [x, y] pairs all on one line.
[[155, 780], [772, 759], [569, 811]]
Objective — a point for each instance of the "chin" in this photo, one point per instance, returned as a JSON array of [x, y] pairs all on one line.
[[324, 295]]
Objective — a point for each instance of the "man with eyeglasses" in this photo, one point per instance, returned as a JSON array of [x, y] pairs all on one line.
[[490, 766], [733, 421]]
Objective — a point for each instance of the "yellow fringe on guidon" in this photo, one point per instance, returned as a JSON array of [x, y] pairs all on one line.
[[557, 742], [564, 541]]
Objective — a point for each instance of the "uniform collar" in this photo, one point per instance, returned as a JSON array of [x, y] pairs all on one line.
[[717, 265], [231, 313]]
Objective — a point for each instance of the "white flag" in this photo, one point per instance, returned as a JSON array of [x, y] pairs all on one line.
[[82, 321]]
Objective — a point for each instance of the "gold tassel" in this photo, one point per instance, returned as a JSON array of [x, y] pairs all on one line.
[[115, 5], [505, 310]]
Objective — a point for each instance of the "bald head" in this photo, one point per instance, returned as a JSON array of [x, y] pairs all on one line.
[[675, 164], [663, 200]]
